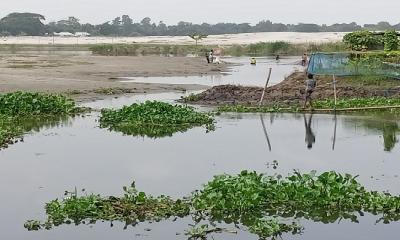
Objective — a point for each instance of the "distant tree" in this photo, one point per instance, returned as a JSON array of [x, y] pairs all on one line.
[[126, 20], [161, 28], [74, 23], [23, 24], [197, 37], [31, 24], [126, 25], [107, 29], [306, 27], [116, 21]]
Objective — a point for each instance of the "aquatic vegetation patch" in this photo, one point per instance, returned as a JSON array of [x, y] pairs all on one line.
[[9, 131], [29, 104], [265, 205], [19, 111], [154, 119], [133, 207]]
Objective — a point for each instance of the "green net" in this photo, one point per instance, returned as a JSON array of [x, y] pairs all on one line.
[[355, 64]]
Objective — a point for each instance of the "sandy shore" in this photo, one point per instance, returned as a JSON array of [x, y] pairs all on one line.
[[87, 76], [226, 39]]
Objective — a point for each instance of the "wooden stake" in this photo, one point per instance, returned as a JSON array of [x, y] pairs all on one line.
[[334, 90], [265, 88]]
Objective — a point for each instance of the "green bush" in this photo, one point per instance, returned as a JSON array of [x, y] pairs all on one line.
[[362, 40], [391, 40]]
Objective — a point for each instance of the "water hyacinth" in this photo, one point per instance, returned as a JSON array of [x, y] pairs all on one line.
[[154, 119], [264, 205]]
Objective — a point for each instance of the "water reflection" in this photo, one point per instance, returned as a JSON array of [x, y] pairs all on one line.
[[310, 136], [78, 153], [265, 131], [20, 126], [384, 124]]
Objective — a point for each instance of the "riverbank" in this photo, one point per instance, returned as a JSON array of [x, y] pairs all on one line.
[[86, 77], [290, 92]]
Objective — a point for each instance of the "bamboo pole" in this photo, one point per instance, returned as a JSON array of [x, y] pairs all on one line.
[[265, 88], [334, 90], [334, 133]]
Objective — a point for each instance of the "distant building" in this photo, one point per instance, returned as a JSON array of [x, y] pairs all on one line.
[[64, 34], [82, 34]]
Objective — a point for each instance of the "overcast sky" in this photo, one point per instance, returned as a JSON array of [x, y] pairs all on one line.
[[213, 11]]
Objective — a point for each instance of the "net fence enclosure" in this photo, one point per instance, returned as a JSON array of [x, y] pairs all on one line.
[[355, 64]]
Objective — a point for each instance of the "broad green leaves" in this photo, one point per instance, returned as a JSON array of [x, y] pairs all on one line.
[[154, 119], [362, 40], [21, 112], [265, 205], [29, 104]]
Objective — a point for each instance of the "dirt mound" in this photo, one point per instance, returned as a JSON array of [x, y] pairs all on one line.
[[291, 91]]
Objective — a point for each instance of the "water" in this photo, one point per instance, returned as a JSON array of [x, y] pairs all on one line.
[[118, 102], [242, 74], [76, 153]]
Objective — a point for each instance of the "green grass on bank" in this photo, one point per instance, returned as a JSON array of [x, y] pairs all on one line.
[[258, 49], [328, 104]]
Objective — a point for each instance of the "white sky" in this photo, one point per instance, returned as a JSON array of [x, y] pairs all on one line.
[[213, 11]]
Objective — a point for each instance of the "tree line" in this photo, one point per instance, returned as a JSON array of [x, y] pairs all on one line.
[[19, 24]]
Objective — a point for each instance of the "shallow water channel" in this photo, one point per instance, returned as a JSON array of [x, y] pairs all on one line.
[[242, 73], [76, 153]]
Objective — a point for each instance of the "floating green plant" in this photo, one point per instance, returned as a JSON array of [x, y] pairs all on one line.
[[154, 119], [265, 205]]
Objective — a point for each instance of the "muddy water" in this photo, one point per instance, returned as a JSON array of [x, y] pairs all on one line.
[[76, 153], [242, 74]]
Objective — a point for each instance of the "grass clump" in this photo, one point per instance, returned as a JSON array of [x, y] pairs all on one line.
[[154, 119], [267, 206]]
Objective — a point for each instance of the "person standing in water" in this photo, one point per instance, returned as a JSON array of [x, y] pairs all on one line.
[[304, 60], [310, 87]]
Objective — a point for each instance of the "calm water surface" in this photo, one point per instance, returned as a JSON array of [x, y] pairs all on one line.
[[76, 153], [241, 74]]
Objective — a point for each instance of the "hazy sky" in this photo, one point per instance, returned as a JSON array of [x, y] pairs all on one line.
[[213, 11]]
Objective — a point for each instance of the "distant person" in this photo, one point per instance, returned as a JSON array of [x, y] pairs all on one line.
[[253, 61], [208, 57], [304, 60], [310, 136], [310, 87], [277, 58], [211, 56]]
